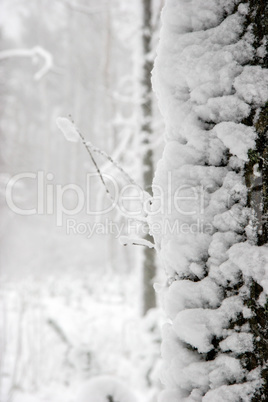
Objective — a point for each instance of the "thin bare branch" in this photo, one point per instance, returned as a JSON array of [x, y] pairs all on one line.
[[90, 147], [109, 158], [35, 51]]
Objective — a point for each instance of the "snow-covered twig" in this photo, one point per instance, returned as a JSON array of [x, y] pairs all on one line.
[[119, 150], [59, 331], [35, 51], [88, 147], [109, 158], [72, 134], [125, 99], [135, 241], [93, 161]]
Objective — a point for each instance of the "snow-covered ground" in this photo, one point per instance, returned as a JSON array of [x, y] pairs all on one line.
[[68, 317]]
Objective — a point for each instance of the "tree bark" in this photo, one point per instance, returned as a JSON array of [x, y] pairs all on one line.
[[258, 202]]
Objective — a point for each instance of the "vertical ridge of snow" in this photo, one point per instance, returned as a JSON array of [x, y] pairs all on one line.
[[205, 92]]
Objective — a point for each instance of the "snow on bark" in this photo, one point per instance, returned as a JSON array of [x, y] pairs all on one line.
[[217, 275]]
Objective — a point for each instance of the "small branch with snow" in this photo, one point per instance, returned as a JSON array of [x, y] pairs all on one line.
[[71, 133], [59, 331], [68, 129], [35, 51], [109, 158], [135, 241], [121, 148]]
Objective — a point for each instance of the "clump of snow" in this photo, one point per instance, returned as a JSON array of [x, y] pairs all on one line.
[[224, 108], [68, 129], [187, 294], [234, 219], [219, 246], [234, 393], [197, 327], [210, 375], [238, 138], [226, 273], [252, 85], [252, 261], [262, 50], [238, 342]]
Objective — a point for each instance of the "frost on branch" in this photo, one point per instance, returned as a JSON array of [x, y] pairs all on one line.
[[128, 240], [32, 53], [68, 129], [211, 79]]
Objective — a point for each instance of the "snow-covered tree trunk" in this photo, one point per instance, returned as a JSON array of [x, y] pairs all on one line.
[[210, 199]]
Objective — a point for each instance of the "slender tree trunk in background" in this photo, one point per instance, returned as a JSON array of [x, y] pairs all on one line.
[[149, 267], [110, 109]]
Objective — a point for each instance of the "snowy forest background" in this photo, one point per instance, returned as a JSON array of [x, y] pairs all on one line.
[[71, 306]]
